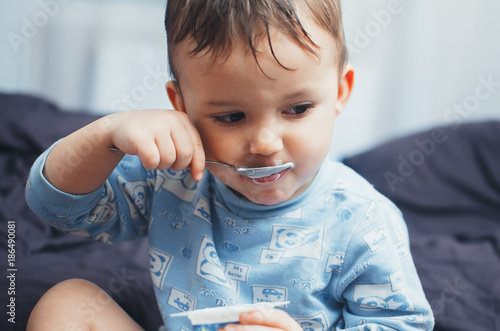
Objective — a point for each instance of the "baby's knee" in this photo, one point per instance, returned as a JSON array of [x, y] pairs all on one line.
[[70, 292], [74, 287], [77, 299]]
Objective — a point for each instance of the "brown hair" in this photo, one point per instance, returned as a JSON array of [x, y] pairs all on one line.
[[213, 25]]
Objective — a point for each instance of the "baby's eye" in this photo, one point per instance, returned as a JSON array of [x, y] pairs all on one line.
[[299, 110], [229, 119]]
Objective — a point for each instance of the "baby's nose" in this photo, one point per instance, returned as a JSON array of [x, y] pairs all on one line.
[[266, 142]]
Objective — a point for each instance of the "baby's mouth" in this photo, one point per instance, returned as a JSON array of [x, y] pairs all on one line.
[[265, 172], [271, 178]]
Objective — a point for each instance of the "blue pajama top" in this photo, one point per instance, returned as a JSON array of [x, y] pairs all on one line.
[[339, 252]]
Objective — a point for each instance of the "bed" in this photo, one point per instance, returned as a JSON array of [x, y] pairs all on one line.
[[445, 180]]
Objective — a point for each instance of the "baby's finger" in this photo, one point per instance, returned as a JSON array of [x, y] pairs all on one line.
[[197, 165], [148, 153], [183, 149], [167, 153], [239, 327], [274, 318]]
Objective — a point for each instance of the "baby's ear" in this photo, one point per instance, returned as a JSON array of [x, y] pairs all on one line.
[[346, 83], [175, 96]]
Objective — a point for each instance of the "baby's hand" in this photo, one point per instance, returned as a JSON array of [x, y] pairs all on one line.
[[161, 138], [264, 319]]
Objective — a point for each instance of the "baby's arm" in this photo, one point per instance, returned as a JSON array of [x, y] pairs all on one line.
[[162, 139], [379, 283]]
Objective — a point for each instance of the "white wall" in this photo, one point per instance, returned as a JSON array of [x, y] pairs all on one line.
[[95, 55], [419, 63]]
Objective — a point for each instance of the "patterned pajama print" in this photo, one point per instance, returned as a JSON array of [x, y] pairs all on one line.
[[339, 252]]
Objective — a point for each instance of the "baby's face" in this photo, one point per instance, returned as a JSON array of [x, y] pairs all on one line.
[[246, 119]]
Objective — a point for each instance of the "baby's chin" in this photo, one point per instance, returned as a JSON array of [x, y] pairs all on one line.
[[267, 195], [270, 197]]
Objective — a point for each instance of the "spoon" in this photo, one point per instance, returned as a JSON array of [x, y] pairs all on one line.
[[257, 172]]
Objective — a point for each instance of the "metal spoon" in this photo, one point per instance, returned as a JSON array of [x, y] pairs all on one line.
[[258, 172]]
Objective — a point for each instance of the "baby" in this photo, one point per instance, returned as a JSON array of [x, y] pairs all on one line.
[[256, 83]]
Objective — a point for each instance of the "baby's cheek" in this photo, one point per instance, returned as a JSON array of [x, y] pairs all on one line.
[[308, 145]]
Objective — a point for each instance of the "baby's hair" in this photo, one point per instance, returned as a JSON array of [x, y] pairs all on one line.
[[213, 25]]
